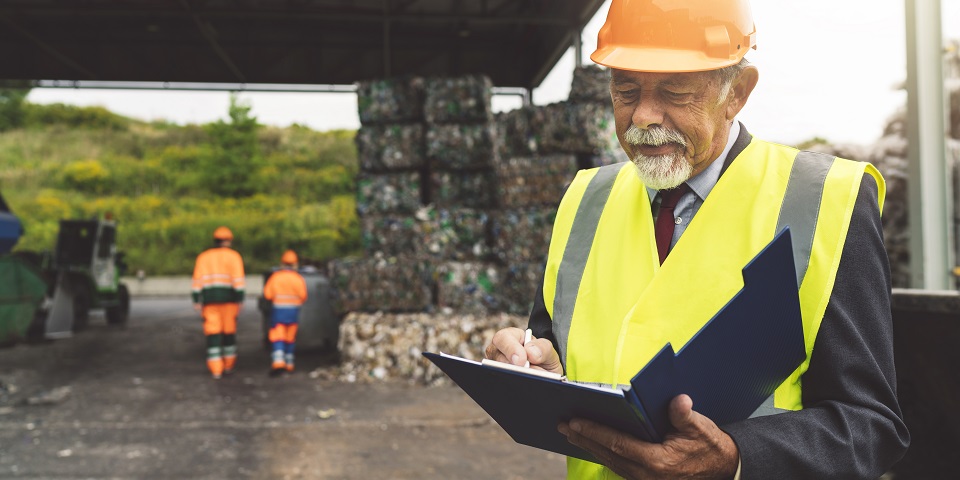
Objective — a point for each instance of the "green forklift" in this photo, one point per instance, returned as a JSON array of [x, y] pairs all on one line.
[[82, 274]]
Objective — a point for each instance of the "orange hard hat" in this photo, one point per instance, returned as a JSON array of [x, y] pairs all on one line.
[[675, 35], [222, 233], [289, 258]]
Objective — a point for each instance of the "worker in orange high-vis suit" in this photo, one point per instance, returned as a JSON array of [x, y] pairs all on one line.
[[287, 291], [218, 283]]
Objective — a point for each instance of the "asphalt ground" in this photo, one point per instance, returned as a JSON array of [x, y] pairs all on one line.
[[137, 402]]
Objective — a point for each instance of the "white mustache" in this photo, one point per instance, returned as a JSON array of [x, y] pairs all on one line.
[[653, 136]]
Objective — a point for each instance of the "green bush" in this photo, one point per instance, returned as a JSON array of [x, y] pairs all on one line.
[[37, 115], [11, 107], [296, 191], [87, 176]]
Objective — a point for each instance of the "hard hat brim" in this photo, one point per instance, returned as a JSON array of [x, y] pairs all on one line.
[[658, 60]]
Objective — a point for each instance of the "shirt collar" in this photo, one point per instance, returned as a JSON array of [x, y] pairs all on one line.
[[703, 182]]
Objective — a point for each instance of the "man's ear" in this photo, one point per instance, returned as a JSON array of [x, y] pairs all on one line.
[[740, 90]]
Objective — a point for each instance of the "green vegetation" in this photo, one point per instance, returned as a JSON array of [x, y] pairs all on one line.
[[169, 186]]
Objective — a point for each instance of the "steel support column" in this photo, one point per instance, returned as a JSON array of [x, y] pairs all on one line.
[[930, 188]]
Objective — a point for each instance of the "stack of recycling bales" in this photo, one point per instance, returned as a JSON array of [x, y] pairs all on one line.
[[455, 228], [462, 151], [541, 150], [390, 149], [583, 125]]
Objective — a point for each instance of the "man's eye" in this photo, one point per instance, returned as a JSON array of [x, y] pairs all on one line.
[[628, 94], [677, 96]]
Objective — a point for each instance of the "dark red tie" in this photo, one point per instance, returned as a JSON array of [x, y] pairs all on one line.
[[665, 219]]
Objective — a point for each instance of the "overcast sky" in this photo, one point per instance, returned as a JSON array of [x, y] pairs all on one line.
[[827, 68]]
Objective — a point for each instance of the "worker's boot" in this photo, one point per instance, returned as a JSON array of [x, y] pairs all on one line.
[[278, 368]]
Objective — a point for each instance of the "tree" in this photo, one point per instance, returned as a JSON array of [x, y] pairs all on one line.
[[11, 107], [232, 169]]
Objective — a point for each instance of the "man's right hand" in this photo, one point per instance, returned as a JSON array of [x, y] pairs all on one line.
[[507, 347], [198, 307]]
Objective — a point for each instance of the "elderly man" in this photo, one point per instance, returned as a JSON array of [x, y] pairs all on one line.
[[703, 190]]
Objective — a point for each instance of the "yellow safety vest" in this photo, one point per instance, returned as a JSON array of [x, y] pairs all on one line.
[[613, 306]]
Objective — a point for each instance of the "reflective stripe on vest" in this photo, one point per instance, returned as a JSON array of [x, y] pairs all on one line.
[[577, 251], [801, 205]]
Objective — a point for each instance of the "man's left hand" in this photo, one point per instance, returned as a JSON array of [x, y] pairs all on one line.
[[696, 449]]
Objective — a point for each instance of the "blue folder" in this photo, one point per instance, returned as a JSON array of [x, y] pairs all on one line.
[[729, 368]]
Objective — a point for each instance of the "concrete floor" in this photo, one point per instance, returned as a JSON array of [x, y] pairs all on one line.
[[137, 402]]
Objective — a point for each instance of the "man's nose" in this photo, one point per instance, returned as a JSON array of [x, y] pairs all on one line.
[[648, 114]]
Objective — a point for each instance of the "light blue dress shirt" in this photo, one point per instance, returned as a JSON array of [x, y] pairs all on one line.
[[700, 186]]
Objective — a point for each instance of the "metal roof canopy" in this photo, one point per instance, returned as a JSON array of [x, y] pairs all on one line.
[[515, 42]]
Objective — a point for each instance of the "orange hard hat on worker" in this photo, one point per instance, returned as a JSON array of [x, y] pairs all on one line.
[[222, 233], [289, 258], [675, 35]]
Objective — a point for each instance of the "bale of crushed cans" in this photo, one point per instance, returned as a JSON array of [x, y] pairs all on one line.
[[391, 235], [522, 235], [461, 146], [468, 287], [471, 189], [388, 193], [534, 180], [520, 283], [390, 147], [458, 100], [591, 83], [573, 127], [514, 134], [393, 100], [454, 234], [382, 347], [440, 234], [381, 283]]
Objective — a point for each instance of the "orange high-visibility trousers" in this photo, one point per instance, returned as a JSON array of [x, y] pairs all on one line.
[[220, 328], [282, 338]]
